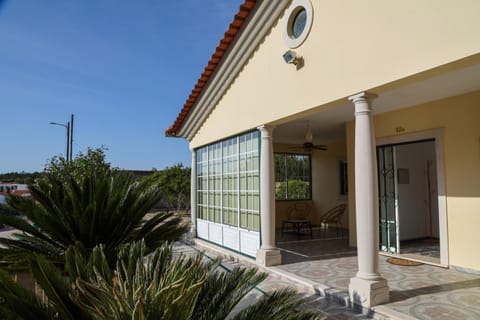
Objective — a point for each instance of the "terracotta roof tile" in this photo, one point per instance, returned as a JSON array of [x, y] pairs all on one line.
[[215, 60], [217, 56]]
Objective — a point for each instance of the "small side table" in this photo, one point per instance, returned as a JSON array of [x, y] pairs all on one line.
[[299, 226]]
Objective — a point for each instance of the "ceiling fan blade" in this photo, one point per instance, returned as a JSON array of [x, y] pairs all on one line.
[[300, 149], [320, 147]]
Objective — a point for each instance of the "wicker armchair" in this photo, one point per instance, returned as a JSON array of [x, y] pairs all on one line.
[[333, 216]]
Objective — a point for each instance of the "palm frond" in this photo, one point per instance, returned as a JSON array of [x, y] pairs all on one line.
[[155, 287], [223, 290], [281, 304], [57, 287]]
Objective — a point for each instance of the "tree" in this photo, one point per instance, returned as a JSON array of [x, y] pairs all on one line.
[[20, 177], [85, 164], [174, 182], [292, 176], [297, 189]]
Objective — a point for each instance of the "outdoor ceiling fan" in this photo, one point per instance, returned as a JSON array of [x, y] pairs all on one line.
[[308, 144]]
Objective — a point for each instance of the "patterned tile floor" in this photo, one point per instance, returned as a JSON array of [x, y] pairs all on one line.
[[320, 269], [422, 292], [331, 308], [418, 292], [429, 248]]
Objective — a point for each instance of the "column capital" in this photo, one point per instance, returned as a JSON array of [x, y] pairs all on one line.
[[362, 103], [266, 130], [362, 97]]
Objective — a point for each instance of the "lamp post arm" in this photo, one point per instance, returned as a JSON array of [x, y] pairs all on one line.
[[66, 126]]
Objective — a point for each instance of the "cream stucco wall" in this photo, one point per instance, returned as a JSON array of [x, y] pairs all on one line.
[[353, 46], [460, 118], [325, 183]]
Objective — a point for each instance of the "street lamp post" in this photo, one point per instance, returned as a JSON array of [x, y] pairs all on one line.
[[69, 127], [71, 137]]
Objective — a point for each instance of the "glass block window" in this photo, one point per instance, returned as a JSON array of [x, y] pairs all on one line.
[[293, 176], [228, 182]]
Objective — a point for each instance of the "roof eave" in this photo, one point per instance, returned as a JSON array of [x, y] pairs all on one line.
[[219, 74], [211, 67]]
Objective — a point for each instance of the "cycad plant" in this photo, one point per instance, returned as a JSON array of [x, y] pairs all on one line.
[[87, 244], [157, 286], [98, 206], [181, 288]]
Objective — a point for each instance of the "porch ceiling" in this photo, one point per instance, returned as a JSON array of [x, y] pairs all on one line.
[[329, 126]]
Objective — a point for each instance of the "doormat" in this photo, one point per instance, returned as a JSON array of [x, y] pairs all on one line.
[[403, 262]]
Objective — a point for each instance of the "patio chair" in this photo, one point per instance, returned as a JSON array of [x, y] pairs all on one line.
[[333, 216], [298, 218]]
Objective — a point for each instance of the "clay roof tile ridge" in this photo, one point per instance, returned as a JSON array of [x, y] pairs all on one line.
[[234, 27]]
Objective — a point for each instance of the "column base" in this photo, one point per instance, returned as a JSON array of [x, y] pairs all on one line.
[[193, 232], [269, 257], [368, 293]]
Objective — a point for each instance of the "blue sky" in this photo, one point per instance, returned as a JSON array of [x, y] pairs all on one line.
[[123, 68]]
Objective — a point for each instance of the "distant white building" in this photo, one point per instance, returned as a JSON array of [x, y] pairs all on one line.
[[18, 189]]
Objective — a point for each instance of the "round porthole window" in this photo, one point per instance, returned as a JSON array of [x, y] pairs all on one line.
[[298, 22]]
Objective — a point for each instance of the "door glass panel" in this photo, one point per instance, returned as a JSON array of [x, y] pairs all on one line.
[[387, 199]]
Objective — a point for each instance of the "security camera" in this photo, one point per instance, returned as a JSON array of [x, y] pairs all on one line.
[[291, 57]]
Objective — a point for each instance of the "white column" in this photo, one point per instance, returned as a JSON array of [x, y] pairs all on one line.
[[268, 254], [193, 194], [367, 288]]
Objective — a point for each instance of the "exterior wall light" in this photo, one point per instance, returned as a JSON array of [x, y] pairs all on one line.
[[291, 57]]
